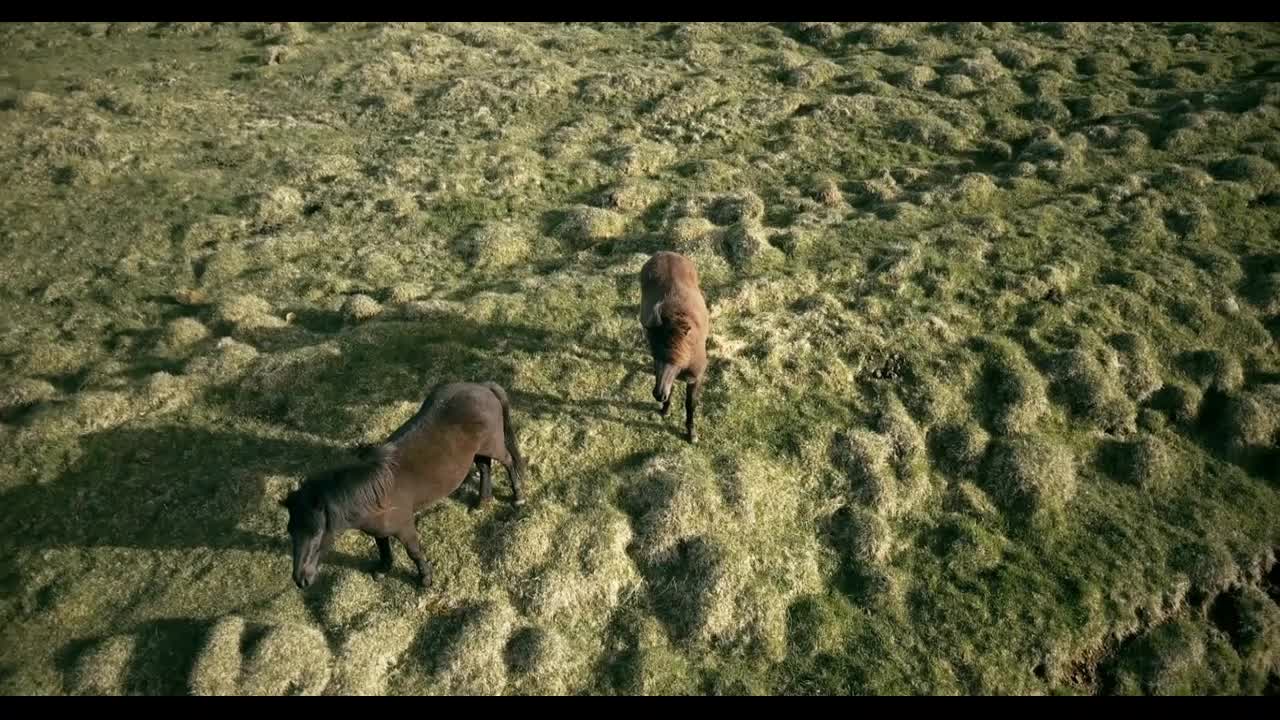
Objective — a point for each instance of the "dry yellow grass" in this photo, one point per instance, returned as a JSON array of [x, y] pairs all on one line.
[[991, 407]]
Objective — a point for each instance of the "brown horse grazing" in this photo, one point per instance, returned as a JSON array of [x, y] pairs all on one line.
[[673, 314], [423, 461]]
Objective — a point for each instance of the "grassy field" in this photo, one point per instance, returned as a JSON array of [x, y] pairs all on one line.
[[994, 397]]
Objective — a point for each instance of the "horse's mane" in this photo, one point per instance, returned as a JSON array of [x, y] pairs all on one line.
[[356, 489], [361, 487], [678, 323]]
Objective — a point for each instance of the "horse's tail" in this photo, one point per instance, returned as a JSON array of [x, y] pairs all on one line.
[[508, 430]]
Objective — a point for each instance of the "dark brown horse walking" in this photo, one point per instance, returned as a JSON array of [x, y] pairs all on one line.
[[422, 462], [673, 314]]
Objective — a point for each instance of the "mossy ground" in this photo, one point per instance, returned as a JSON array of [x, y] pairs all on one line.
[[992, 402]]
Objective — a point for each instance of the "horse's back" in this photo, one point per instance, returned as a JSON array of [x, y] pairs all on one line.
[[459, 422], [672, 279], [479, 409], [448, 405], [666, 271]]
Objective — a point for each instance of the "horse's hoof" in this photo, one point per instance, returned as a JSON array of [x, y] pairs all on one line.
[[379, 575], [518, 501], [692, 437]]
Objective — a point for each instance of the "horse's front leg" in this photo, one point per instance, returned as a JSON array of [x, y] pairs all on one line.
[[385, 559], [693, 391], [657, 376], [409, 538]]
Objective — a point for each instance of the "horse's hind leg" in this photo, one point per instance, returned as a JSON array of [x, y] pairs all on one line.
[[486, 480], [514, 464]]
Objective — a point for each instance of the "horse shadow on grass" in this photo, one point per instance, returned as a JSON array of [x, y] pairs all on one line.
[[178, 487], [163, 488], [401, 359], [216, 487], [160, 662]]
